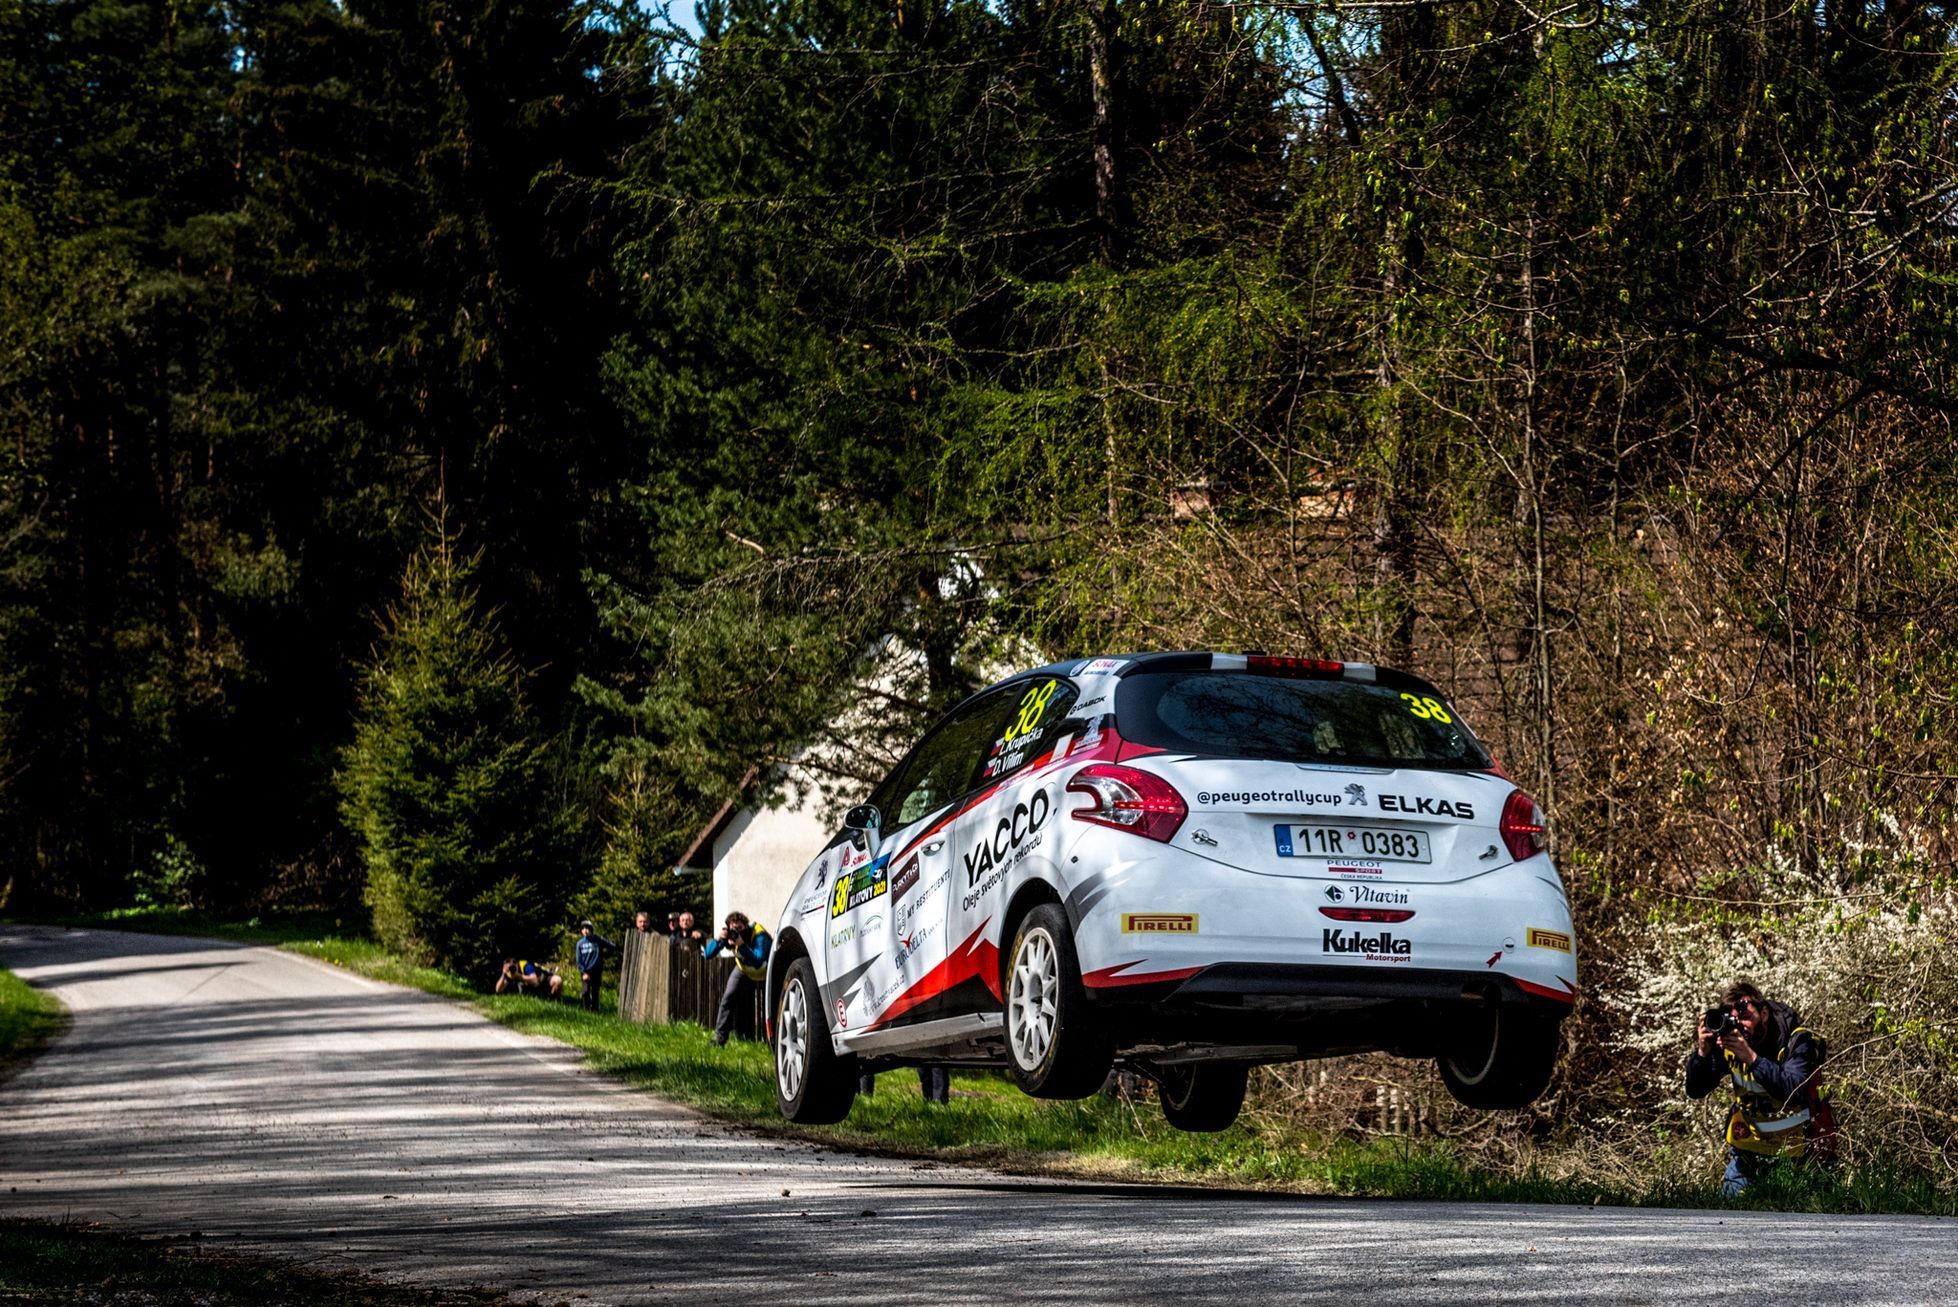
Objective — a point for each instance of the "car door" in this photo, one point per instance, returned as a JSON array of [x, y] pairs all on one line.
[[1000, 836], [888, 938]]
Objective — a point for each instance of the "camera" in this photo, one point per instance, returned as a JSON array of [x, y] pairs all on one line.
[[1722, 1022]]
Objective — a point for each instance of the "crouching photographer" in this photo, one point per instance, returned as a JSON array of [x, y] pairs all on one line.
[[1773, 1065]]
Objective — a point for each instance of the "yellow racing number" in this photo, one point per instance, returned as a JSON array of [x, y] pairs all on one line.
[[1031, 708], [1428, 710]]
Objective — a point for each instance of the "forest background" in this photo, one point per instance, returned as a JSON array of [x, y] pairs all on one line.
[[448, 445]]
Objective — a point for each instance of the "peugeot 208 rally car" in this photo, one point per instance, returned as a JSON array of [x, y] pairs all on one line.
[[1185, 864]]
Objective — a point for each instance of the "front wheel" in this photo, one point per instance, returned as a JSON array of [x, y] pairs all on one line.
[[1501, 1058], [1204, 1097], [1056, 1048], [813, 1085]]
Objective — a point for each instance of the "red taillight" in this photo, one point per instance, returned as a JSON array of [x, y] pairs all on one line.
[[1273, 666], [1127, 799], [1387, 915], [1523, 826]]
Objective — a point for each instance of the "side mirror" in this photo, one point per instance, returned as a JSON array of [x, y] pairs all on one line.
[[864, 817]]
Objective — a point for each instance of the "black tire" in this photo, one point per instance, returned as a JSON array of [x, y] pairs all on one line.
[[817, 1086], [1500, 1058], [1203, 1097], [1056, 1047]]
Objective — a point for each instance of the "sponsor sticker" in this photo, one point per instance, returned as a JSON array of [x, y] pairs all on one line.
[[1383, 947], [1424, 806], [859, 888], [1355, 869], [1371, 896], [1015, 833], [1159, 923], [906, 877], [842, 1015], [1102, 666], [1552, 939], [1241, 798]]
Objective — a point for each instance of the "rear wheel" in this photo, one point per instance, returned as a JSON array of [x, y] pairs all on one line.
[[813, 1085], [1500, 1058], [1202, 1097], [1056, 1047]]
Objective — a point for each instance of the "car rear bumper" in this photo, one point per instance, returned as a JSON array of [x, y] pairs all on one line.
[[1229, 984]]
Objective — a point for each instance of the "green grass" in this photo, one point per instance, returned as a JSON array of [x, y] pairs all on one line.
[[991, 1122], [46, 1263], [28, 1019]]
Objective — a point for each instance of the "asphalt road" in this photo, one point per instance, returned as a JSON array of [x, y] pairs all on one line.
[[272, 1104]]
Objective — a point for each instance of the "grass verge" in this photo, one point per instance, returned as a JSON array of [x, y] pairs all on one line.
[[990, 1122], [68, 1264], [28, 1019]]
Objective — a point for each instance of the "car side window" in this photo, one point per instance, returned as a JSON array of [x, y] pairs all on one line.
[[1021, 733], [940, 767]]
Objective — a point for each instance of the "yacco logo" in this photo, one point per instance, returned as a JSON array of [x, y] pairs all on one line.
[[1303, 798], [1159, 923], [1384, 945], [1553, 939], [1427, 807], [1009, 833]]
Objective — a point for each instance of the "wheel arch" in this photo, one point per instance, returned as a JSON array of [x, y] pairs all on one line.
[[788, 947], [1031, 893]]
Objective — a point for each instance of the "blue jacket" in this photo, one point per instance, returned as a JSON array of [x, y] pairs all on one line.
[[751, 955], [591, 951]]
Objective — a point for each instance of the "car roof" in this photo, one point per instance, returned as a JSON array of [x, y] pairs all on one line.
[[1194, 660]]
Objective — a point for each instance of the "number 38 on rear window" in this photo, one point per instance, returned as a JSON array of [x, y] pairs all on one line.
[[1428, 710]]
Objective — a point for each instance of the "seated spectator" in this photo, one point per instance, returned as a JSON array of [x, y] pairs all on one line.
[[528, 978]]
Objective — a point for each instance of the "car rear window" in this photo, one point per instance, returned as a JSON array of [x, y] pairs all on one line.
[[1245, 715]]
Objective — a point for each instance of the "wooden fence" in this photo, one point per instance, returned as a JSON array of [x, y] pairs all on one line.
[[660, 981]]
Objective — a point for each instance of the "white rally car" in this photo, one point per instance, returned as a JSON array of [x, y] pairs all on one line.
[[1185, 864]]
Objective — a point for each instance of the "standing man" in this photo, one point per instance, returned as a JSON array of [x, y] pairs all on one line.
[[592, 948], [684, 932], [642, 921], [1772, 1062], [749, 944]]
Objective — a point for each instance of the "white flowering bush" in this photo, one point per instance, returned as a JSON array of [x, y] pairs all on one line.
[[1872, 971]]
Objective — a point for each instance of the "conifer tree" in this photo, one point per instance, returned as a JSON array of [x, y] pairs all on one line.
[[445, 784]]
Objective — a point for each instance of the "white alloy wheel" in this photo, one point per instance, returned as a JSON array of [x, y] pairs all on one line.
[[792, 1048], [1035, 1000]]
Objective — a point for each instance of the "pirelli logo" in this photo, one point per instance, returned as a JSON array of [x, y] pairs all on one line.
[[1549, 939], [1159, 923]]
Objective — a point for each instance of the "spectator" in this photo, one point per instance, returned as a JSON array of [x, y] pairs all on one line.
[[749, 944], [592, 948], [673, 926], [687, 934], [528, 978], [642, 922]]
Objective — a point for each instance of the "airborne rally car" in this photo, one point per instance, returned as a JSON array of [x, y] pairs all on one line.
[[1186, 864]]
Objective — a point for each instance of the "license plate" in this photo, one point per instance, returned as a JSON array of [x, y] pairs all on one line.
[[1378, 842]]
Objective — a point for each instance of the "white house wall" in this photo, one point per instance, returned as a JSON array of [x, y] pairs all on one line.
[[761, 853]]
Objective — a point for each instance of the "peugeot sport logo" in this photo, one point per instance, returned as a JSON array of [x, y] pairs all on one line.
[[1357, 795]]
